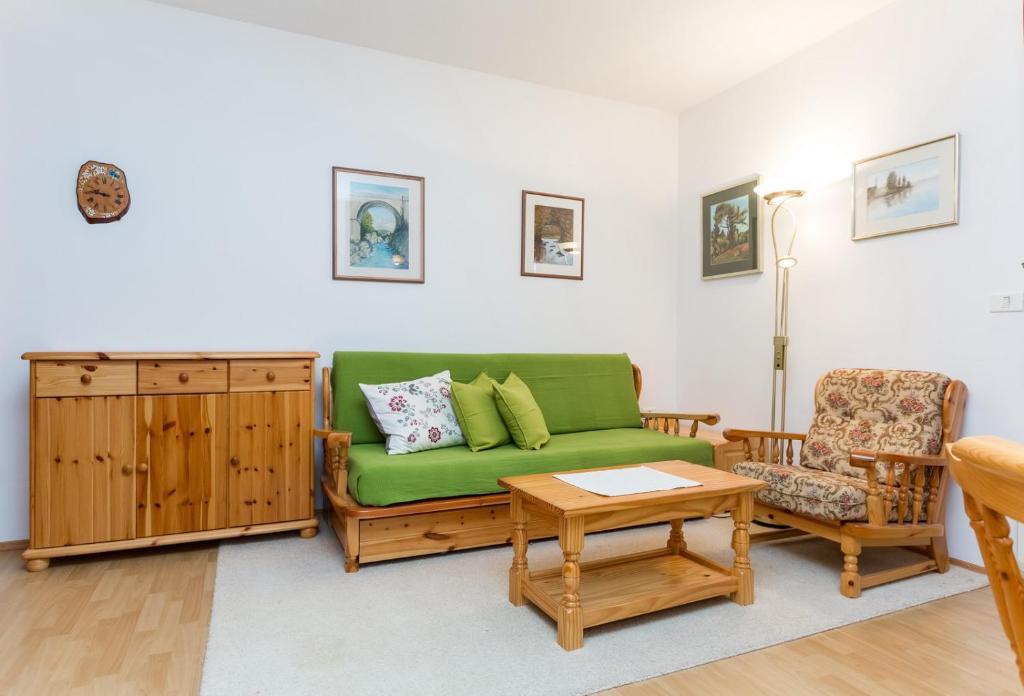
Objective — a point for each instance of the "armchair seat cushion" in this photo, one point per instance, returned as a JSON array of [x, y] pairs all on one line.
[[819, 494]]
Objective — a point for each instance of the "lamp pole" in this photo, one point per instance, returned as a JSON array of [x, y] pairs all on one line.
[[780, 342]]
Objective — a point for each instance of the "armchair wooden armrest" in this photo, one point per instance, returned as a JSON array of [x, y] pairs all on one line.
[[335, 457], [670, 422], [901, 480], [777, 442]]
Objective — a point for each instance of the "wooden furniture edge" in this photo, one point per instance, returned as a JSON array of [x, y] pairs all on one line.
[[170, 539], [165, 355]]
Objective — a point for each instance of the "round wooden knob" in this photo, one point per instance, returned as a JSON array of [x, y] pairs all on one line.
[[183, 377], [143, 467], [127, 469], [86, 379], [235, 461], [271, 376]]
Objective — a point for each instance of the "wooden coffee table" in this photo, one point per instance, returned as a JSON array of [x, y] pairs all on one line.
[[578, 595]]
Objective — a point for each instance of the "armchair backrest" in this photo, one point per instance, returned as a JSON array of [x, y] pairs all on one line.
[[899, 411]]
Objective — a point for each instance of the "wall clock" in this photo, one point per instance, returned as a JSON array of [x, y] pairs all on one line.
[[102, 192]]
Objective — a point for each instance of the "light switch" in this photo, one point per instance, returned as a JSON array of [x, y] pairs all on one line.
[[1006, 302]]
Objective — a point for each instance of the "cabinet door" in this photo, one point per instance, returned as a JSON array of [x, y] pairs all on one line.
[[83, 479], [182, 454], [270, 478]]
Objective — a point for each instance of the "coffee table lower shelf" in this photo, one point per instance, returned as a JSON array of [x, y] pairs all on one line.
[[618, 588]]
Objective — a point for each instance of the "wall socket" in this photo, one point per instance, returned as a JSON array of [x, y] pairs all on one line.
[[1006, 302]]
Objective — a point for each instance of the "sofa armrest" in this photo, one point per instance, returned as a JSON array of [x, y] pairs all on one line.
[[670, 422], [335, 458], [900, 480]]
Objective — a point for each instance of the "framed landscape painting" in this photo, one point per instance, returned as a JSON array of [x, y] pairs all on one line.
[[378, 226], [731, 231], [552, 236], [910, 189]]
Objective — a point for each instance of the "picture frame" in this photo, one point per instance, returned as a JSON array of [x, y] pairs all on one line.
[[552, 236], [377, 227], [913, 188], [730, 224]]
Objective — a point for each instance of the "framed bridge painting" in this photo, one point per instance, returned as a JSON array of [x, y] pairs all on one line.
[[378, 226], [552, 236]]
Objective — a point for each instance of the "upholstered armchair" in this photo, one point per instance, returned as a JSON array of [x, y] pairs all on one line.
[[871, 470]]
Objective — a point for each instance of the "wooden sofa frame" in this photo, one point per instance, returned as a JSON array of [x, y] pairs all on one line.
[[886, 495], [378, 533]]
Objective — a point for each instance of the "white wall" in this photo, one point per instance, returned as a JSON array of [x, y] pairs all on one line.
[[227, 133], [916, 70]]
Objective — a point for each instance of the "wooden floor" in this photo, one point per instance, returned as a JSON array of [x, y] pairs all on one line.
[[127, 623], [136, 623]]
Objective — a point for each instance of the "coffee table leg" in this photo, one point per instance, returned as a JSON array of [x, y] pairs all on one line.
[[519, 571], [570, 614], [742, 515], [676, 541]]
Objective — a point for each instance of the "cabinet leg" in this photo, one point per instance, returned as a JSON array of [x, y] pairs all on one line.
[[308, 532], [34, 565]]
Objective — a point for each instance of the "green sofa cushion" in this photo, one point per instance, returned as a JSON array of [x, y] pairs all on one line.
[[521, 413], [575, 392], [378, 479], [478, 415]]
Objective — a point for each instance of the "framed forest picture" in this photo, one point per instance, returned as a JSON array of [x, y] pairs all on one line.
[[378, 226], [731, 231], [552, 244]]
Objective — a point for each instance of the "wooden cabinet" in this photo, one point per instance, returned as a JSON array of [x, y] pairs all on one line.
[[181, 443], [83, 477], [269, 480], [143, 449]]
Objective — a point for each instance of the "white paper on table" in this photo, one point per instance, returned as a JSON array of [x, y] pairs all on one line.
[[637, 479]]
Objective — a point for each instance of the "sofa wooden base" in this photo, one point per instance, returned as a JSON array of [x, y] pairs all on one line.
[[39, 559], [369, 534]]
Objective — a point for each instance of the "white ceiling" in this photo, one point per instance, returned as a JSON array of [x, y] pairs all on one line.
[[668, 54]]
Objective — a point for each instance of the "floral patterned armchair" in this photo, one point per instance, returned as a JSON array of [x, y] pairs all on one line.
[[871, 469]]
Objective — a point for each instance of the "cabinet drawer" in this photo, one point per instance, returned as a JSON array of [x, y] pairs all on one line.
[[271, 375], [85, 378], [183, 376]]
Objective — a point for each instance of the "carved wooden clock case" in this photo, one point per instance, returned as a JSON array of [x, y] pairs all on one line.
[[102, 192]]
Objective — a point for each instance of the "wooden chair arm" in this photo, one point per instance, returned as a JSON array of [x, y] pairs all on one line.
[[864, 459], [777, 443], [335, 458], [906, 477], [735, 435], [668, 422]]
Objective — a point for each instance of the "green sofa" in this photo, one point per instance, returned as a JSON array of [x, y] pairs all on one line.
[[590, 404]]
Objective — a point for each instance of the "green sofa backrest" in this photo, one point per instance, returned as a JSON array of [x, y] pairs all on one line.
[[576, 392]]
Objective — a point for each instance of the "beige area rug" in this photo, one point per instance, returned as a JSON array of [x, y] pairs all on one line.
[[288, 620]]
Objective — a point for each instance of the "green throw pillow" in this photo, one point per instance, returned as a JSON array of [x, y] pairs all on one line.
[[521, 413], [478, 415]]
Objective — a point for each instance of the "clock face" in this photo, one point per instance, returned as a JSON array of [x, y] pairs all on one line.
[[102, 192]]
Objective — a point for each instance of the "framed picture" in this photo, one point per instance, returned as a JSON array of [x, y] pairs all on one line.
[[378, 226], [910, 189], [552, 236], [731, 231]]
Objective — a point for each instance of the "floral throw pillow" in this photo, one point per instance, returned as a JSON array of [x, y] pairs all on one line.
[[416, 415]]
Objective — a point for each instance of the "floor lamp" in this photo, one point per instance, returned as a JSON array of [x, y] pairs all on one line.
[[783, 263]]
